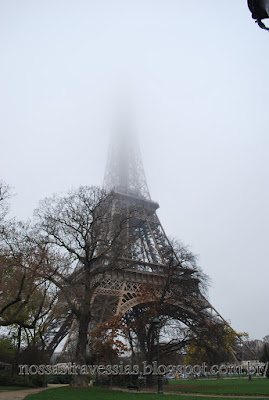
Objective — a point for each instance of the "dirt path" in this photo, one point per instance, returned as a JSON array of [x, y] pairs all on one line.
[[21, 394]]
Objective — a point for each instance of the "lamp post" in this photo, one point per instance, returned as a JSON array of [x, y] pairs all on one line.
[[156, 323]]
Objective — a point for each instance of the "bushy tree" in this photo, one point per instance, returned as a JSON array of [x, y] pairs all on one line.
[[26, 296], [7, 350], [211, 344], [108, 341]]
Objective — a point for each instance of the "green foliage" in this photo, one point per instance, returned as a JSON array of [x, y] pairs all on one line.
[[39, 380], [7, 351], [33, 355], [62, 379], [9, 379], [11, 388]]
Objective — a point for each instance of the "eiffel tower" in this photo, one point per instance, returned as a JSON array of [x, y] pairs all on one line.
[[146, 258], [146, 243]]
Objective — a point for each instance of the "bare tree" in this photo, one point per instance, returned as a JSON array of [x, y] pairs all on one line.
[[5, 194], [79, 227], [266, 339]]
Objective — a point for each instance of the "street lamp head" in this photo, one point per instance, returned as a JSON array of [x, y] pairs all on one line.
[[156, 321], [259, 10]]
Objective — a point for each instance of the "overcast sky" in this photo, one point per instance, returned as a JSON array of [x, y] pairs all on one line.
[[195, 76]]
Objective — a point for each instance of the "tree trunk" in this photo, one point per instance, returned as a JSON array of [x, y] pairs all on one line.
[[80, 379]]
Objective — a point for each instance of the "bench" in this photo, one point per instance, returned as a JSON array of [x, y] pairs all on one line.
[[133, 387]]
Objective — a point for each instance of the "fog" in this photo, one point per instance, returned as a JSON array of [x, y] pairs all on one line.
[[194, 78]]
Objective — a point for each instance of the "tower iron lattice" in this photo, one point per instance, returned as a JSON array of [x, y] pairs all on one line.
[[146, 261]]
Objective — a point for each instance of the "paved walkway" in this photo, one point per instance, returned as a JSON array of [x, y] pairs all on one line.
[[21, 394]]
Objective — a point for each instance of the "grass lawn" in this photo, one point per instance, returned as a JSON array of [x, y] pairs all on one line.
[[237, 386], [93, 393]]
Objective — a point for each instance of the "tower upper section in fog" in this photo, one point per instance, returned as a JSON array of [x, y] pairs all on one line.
[[124, 171]]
